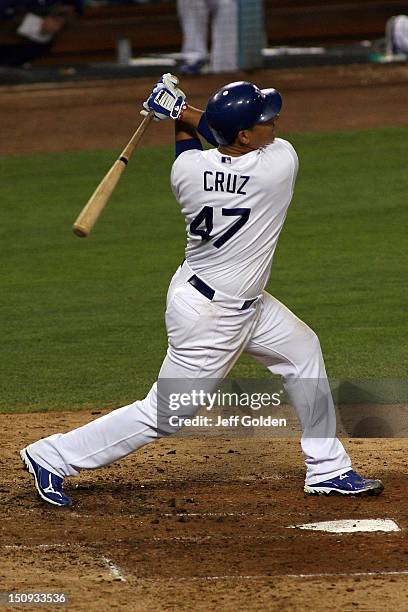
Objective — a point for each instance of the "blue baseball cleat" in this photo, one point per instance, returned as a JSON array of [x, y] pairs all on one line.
[[349, 483], [50, 486]]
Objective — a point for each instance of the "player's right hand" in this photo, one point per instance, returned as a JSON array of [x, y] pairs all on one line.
[[166, 100]]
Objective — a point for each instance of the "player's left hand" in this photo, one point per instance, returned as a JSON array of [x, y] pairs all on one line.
[[166, 100]]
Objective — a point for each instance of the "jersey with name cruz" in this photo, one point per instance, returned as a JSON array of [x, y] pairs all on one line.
[[234, 209]]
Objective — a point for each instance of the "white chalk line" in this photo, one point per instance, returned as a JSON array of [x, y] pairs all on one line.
[[194, 481], [39, 546], [248, 480], [275, 576], [192, 514], [142, 518], [217, 538], [213, 514], [254, 516], [346, 574], [114, 569]]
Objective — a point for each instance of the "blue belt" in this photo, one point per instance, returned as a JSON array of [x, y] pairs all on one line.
[[209, 293]]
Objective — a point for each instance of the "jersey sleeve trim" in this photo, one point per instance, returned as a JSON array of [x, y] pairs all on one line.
[[187, 145]]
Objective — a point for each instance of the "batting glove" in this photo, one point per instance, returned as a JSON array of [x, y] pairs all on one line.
[[166, 100]]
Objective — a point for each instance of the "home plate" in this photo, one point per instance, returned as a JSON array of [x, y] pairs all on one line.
[[350, 526]]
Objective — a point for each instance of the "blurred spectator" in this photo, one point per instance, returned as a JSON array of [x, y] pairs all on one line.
[[194, 17], [28, 27], [396, 35]]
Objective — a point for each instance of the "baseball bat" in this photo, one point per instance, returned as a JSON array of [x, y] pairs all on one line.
[[100, 197]]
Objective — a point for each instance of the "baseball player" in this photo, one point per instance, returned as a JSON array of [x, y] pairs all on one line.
[[194, 16], [234, 199]]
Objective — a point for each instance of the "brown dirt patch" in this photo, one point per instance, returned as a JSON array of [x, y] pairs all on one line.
[[103, 114], [191, 525]]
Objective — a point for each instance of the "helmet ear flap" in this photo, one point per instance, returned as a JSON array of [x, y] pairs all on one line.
[[272, 105]]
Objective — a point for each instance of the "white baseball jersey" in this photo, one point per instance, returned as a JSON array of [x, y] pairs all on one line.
[[234, 208]]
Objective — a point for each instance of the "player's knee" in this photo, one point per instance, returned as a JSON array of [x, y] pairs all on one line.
[[308, 343], [313, 339]]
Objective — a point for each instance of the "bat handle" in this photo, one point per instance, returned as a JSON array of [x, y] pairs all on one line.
[[134, 141]]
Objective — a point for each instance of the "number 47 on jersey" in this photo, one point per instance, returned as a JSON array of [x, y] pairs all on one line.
[[203, 223]]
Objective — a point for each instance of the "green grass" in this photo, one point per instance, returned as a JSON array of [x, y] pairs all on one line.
[[82, 320]]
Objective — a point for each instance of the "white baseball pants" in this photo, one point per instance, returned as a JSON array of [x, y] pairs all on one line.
[[205, 340], [397, 33], [194, 17]]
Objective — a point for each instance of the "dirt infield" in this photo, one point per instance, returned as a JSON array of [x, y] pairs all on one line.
[[200, 524], [100, 114]]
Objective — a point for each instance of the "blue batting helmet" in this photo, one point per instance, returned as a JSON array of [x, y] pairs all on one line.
[[239, 106]]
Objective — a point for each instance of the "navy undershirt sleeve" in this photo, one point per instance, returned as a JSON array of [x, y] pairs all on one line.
[[204, 129], [187, 145]]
